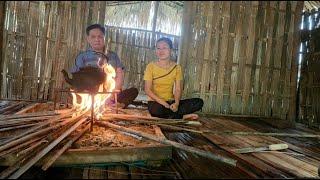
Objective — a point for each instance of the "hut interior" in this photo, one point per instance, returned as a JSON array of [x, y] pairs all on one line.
[[253, 63]]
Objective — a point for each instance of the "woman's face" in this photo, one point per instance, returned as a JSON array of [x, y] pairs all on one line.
[[163, 50]]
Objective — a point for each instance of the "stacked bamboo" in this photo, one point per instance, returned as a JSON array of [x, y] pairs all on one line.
[[37, 134]]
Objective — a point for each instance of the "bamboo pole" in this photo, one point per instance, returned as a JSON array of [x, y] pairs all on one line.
[[261, 134], [25, 136], [28, 115], [25, 167], [17, 127], [2, 23], [175, 144], [239, 133], [142, 117], [19, 146], [56, 119], [25, 151], [63, 149]]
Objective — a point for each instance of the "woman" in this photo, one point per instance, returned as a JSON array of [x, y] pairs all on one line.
[[161, 78]]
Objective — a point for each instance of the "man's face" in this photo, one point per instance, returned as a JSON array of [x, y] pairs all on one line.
[[96, 39]]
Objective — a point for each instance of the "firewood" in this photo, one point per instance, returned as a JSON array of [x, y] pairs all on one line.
[[43, 152], [64, 148], [37, 114], [33, 131]]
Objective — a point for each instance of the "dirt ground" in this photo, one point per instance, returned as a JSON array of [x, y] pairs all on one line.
[[102, 137]]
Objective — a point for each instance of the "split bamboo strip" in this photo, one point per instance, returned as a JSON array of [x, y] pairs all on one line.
[[19, 146], [28, 115], [30, 148], [16, 127], [175, 144], [35, 130], [48, 163], [126, 116], [39, 155]]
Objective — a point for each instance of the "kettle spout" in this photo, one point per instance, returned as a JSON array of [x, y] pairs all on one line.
[[66, 77]]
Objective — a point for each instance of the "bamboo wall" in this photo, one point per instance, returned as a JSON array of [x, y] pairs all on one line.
[[309, 84], [240, 57]]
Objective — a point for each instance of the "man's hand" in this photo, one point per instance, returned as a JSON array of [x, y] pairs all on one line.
[[174, 107]]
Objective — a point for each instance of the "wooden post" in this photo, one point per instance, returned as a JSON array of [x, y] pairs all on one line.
[[154, 22], [2, 19], [185, 33], [294, 64], [102, 12]]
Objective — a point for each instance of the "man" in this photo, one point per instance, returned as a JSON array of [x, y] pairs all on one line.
[[93, 55]]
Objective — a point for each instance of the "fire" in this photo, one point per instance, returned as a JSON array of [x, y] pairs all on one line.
[[99, 99]]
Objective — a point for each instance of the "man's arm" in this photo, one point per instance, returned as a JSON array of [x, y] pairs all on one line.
[[79, 63]]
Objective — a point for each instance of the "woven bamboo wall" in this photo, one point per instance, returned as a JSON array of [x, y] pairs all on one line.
[[240, 57], [309, 84]]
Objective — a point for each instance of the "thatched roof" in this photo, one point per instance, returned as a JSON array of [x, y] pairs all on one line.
[[310, 5], [139, 14]]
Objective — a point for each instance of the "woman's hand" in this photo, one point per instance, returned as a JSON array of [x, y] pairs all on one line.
[[164, 103], [174, 107]]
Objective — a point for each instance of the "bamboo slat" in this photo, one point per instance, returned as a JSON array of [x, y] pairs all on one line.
[[223, 44]]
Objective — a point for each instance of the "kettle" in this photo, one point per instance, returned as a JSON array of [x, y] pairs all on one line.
[[86, 79]]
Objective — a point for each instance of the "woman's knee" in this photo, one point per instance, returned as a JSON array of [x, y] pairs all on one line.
[[155, 109], [199, 103]]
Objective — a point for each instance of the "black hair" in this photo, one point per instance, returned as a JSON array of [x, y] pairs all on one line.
[[166, 40], [96, 26]]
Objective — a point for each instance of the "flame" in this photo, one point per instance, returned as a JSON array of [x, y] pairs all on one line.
[[99, 99]]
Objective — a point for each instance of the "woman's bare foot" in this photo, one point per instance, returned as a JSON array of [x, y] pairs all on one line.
[[190, 116]]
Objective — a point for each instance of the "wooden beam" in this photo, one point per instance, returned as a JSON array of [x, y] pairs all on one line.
[[154, 22]]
